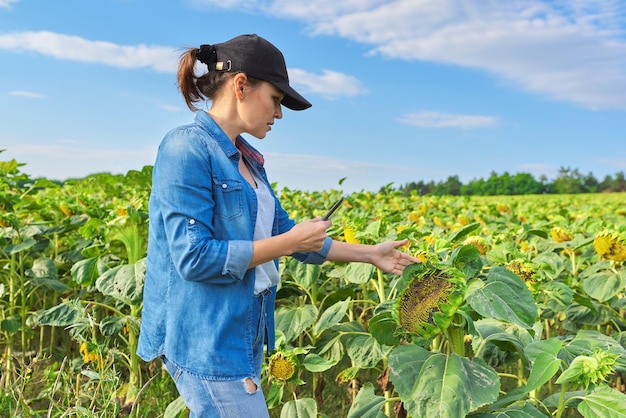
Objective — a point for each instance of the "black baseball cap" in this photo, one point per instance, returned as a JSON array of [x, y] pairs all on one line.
[[257, 58]]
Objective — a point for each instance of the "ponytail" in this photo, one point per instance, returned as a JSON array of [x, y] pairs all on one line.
[[196, 89]]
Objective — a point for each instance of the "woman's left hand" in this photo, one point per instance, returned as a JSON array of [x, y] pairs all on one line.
[[389, 259]]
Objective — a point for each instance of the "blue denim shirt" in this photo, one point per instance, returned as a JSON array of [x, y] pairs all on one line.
[[198, 293]]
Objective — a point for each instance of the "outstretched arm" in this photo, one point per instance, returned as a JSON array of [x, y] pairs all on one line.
[[385, 255]]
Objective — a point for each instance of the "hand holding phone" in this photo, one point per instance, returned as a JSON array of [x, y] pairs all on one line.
[[333, 208]]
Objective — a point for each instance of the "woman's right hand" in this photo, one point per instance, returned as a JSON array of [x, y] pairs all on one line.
[[309, 235]]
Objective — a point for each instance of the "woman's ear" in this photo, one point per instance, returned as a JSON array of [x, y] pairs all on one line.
[[239, 83]]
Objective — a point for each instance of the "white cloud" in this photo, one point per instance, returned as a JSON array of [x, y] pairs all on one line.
[[566, 50], [330, 84], [75, 48], [27, 94], [6, 4], [447, 120]]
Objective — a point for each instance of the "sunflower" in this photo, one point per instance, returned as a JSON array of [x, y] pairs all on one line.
[[89, 351], [560, 235], [523, 270], [350, 235], [609, 246], [430, 300], [585, 370], [283, 365], [479, 242]]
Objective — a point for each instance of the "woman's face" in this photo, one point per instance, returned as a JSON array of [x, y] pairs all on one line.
[[260, 107]]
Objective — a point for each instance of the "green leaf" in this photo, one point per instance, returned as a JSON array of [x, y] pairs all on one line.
[[463, 232], [544, 355], [111, 326], [504, 296], [332, 316], [603, 285], [526, 410], [16, 248], [537, 232], [43, 267], [294, 321], [274, 395], [307, 274], [175, 409], [367, 404], [603, 402], [300, 408], [91, 374], [559, 296], [382, 326], [316, 364], [437, 385], [85, 272], [62, 315], [365, 351], [467, 259], [124, 282], [359, 273], [10, 325]]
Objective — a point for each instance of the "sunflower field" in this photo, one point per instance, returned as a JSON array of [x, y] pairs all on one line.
[[517, 308]]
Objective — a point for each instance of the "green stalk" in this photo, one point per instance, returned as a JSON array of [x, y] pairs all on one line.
[[561, 407], [8, 370], [135, 369], [23, 314], [380, 286], [456, 337], [386, 392]]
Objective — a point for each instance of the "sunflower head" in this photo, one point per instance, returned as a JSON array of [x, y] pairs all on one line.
[[523, 270], [610, 246], [89, 351], [283, 365], [589, 369], [560, 235], [349, 233], [432, 296], [479, 242]]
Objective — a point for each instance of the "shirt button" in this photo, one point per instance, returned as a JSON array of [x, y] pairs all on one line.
[[224, 186], [192, 221]]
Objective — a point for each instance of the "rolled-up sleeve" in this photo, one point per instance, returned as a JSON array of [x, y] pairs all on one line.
[[185, 202]]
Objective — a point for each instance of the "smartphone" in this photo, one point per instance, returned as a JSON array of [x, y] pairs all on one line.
[[333, 208]]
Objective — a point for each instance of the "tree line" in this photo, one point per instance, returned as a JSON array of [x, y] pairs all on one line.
[[568, 181]]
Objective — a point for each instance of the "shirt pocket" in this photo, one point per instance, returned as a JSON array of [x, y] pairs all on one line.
[[228, 196]]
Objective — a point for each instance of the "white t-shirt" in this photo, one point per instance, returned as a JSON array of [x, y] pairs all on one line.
[[266, 273]]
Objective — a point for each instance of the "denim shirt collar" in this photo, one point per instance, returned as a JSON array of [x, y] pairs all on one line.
[[206, 121]]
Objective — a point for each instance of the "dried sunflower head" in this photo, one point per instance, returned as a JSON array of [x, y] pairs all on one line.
[[283, 365], [432, 296], [610, 246]]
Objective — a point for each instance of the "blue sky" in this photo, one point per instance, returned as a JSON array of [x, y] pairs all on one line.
[[402, 90]]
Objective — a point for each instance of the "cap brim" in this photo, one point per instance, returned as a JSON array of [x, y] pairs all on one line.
[[292, 100]]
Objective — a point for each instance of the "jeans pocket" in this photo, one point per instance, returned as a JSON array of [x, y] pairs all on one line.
[[172, 369]]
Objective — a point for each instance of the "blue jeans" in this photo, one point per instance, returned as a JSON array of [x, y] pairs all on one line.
[[225, 398]]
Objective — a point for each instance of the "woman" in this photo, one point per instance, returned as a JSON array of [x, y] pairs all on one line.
[[217, 230]]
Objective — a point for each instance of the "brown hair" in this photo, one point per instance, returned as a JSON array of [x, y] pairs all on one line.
[[195, 89]]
